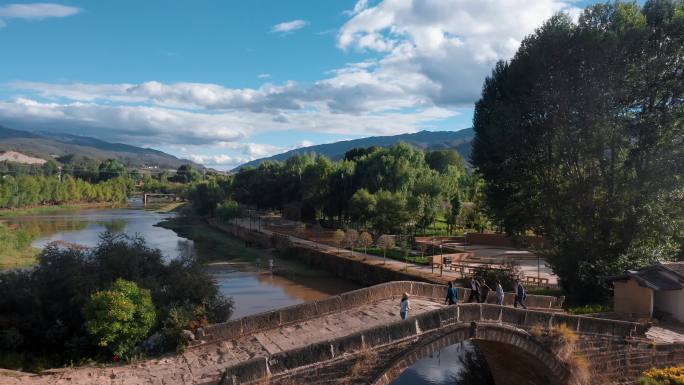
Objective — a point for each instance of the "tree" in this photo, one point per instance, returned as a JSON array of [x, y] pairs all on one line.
[[362, 206], [442, 160], [350, 239], [365, 240], [121, 317], [338, 238], [385, 242], [228, 210], [580, 138], [186, 174], [111, 168], [205, 197], [391, 213], [454, 213]]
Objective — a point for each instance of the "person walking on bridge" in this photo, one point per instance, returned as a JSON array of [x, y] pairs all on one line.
[[474, 290], [404, 306], [499, 293], [520, 295], [452, 295], [484, 291]]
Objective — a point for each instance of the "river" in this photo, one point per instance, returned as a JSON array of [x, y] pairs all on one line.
[[246, 275], [256, 279]]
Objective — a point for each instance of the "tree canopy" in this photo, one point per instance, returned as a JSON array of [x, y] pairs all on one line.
[[580, 137]]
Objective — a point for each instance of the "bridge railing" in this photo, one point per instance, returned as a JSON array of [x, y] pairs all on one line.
[[390, 290]]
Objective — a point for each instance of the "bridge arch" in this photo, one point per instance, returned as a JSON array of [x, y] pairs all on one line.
[[513, 355]]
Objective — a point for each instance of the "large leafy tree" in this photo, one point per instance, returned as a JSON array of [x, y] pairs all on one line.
[[111, 168], [581, 138], [119, 318]]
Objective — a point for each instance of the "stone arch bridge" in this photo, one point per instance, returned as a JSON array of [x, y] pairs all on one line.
[[358, 338]]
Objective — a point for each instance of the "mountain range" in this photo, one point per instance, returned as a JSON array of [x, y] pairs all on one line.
[[49, 145], [461, 141]]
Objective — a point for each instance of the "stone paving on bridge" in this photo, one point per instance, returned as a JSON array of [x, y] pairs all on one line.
[[198, 364]]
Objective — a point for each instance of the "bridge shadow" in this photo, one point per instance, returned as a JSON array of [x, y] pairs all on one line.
[[513, 355]]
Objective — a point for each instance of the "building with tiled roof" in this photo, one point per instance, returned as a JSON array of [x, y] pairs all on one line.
[[653, 291]]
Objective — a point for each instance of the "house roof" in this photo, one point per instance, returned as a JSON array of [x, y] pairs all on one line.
[[662, 276]]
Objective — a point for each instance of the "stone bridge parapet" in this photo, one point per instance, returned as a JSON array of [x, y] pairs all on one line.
[[390, 290]]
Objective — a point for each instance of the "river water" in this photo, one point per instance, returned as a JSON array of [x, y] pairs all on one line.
[[251, 282], [257, 282]]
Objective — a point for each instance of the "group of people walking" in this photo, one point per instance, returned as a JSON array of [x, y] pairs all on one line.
[[478, 293]]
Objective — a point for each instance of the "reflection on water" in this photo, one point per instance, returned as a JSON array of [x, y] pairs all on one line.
[[453, 365], [85, 226], [251, 283], [256, 290]]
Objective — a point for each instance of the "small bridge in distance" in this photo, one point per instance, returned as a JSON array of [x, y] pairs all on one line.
[[158, 196]]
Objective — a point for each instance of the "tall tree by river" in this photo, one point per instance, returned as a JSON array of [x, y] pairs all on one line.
[[581, 138]]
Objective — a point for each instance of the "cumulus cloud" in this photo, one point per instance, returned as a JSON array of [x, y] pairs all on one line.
[[446, 47], [35, 11], [425, 60], [289, 26]]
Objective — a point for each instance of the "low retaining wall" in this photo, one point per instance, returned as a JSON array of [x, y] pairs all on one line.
[[305, 311], [501, 240]]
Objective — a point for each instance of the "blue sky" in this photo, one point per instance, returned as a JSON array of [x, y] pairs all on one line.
[[224, 82]]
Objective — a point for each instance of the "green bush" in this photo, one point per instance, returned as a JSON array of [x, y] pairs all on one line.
[[590, 309], [227, 210], [121, 317]]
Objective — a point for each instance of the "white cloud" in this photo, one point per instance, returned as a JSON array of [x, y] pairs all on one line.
[[429, 58], [223, 161], [36, 11], [289, 26], [447, 47]]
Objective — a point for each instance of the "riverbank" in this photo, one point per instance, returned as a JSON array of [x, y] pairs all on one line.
[[52, 209], [16, 250]]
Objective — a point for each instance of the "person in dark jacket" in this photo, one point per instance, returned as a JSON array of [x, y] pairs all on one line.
[[452, 295], [474, 290], [484, 290], [520, 295]]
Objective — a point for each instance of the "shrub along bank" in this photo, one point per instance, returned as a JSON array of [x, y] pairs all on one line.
[[64, 310]]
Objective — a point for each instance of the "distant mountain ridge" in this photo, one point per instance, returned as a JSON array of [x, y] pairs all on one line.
[[460, 141], [48, 145]]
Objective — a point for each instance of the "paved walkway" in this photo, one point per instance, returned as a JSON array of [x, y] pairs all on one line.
[[484, 254], [201, 363]]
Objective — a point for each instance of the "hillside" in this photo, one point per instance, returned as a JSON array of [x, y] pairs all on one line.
[[46, 145], [460, 141]]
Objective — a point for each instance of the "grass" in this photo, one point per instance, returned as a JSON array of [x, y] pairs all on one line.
[[590, 309], [16, 248], [397, 255]]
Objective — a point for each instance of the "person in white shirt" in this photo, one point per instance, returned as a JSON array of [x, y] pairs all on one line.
[[405, 306], [499, 293]]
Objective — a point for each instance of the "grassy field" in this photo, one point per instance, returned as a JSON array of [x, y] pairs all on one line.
[[15, 248]]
